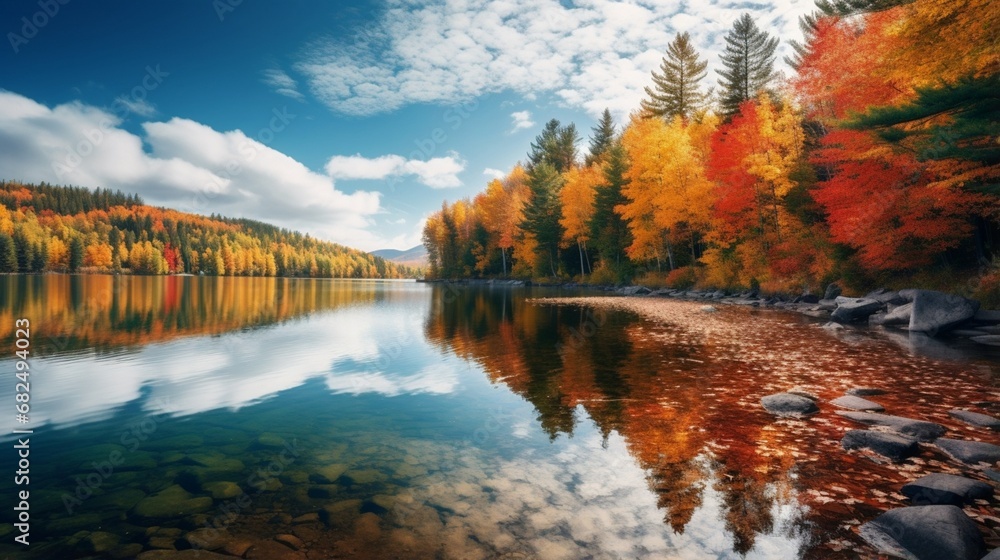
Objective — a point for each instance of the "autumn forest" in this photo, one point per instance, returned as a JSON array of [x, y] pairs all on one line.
[[875, 162]]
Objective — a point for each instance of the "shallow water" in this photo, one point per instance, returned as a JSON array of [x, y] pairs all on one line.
[[423, 421]]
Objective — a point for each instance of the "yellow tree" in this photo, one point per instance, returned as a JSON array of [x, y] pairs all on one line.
[[501, 209], [577, 198]]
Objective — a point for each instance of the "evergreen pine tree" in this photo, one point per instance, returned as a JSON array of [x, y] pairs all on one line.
[[8, 254], [608, 230], [748, 61], [602, 139], [75, 254], [675, 90]]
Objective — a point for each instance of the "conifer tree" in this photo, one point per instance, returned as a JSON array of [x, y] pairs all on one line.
[[602, 139], [748, 61], [676, 91]]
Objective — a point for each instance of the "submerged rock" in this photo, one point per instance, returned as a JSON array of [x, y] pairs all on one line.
[[865, 391], [169, 503], [934, 312], [189, 554], [970, 452], [893, 446], [941, 488], [850, 310], [787, 404], [976, 419], [856, 403], [923, 431], [707, 309], [925, 533]]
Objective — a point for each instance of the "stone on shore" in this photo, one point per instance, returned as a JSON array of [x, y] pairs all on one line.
[[922, 430], [897, 315], [949, 489], [787, 404], [865, 391], [850, 310], [925, 533], [987, 316], [833, 291], [987, 339], [976, 419], [934, 312], [893, 446], [857, 403], [970, 452]]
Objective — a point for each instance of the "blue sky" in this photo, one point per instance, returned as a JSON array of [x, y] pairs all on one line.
[[352, 123]]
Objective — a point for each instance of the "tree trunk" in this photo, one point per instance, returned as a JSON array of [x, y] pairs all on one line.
[[583, 271], [503, 254], [670, 253]]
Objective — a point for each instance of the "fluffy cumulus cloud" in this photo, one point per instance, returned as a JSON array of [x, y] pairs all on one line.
[[494, 173], [188, 166], [521, 120], [437, 173], [590, 54]]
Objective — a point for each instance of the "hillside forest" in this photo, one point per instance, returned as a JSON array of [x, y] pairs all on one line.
[[876, 162]]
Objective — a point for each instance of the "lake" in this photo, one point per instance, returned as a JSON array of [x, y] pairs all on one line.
[[296, 418]]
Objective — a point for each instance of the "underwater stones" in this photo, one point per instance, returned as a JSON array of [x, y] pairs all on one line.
[[970, 452], [787, 404], [925, 533], [864, 391], [223, 490], [923, 431], [236, 546], [857, 403], [323, 490], [268, 439], [189, 554], [941, 488], [206, 538], [976, 419], [99, 541], [291, 541], [328, 473], [365, 476], [271, 550], [125, 550], [306, 518], [183, 443], [367, 528], [74, 523], [340, 514], [295, 477], [171, 502], [893, 446], [121, 500]]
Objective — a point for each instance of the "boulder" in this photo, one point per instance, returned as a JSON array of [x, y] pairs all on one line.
[[899, 315], [976, 419], [987, 316], [850, 310], [857, 403], [806, 298], [934, 312], [923, 431], [970, 452], [941, 488], [925, 533], [893, 446], [988, 339], [884, 295], [865, 391], [832, 291], [170, 503], [993, 555], [787, 404]]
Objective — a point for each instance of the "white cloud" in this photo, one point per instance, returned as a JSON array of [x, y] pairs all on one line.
[[190, 167], [437, 173], [521, 120], [282, 83], [140, 107], [590, 54], [494, 173]]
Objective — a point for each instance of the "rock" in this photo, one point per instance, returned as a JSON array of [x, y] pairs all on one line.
[[893, 446], [291, 541], [993, 555], [884, 295], [988, 339], [223, 490], [340, 513], [807, 298], [898, 315], [169, 503], [832, 326], [787, 404], [934, 312], [207, 538], [925, 533], [323, 490], [832, 291], [856, 403], [125, 551], [271, 550], [851, 310], [987, 316], [707, 309], [970, 452], [941, 488], [976, 419], [865, 391], [923, 431], [969, 333], [100, 541], [306, 518], [189, 554], [328, 473]]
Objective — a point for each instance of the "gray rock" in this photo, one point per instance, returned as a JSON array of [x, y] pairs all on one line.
[[787, 404], [925, 533], [934, 312], [857, 403], [852, 310], [969, 333], [970, 452], [707, 309], [865, 391], [169, 503], [993, 555], [987, 339], [807, 298], [898, 315], [893, 446], [832, 291], [885, 295], [941, 488], [976, 419], [987, 316], [923, 431]]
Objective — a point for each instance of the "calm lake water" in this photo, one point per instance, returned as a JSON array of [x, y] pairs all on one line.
[[370, 419]]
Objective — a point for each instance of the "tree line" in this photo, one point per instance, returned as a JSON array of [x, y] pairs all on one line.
[[46, 228], [877, 159]]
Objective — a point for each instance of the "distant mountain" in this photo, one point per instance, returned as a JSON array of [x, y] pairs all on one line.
[[415, 256]]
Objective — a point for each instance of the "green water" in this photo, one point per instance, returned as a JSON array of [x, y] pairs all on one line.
[[376, 420]]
